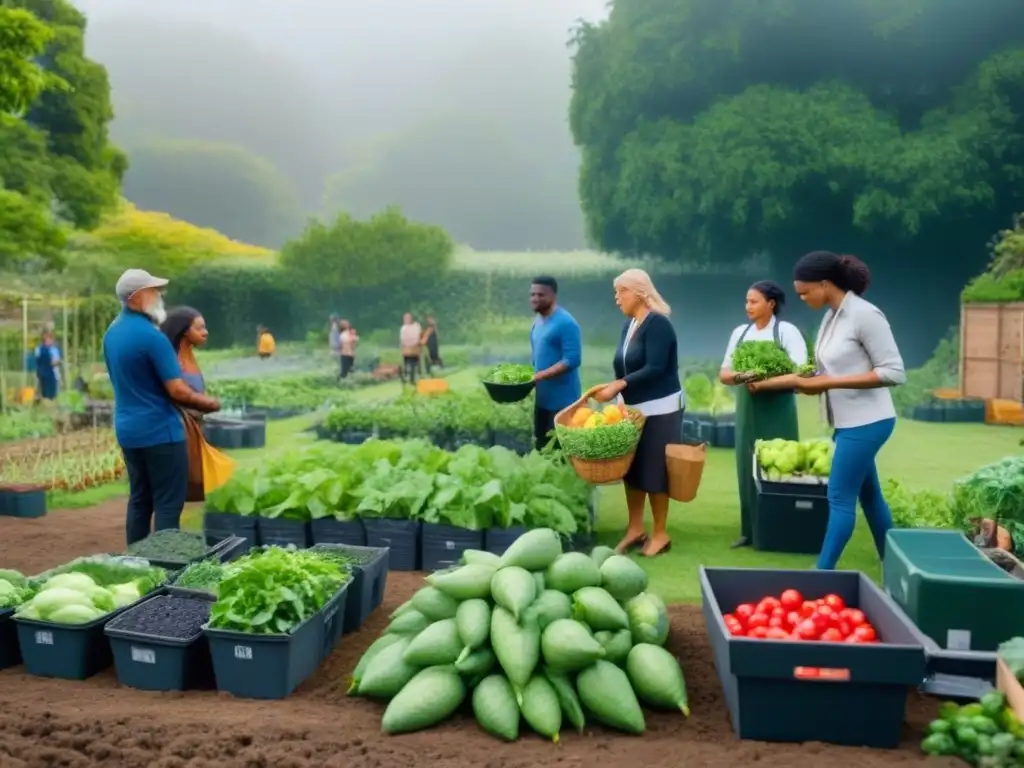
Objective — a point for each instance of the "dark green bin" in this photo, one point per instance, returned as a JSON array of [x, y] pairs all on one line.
[[10, 651], [767, 691], [789, 517], [951, 590]]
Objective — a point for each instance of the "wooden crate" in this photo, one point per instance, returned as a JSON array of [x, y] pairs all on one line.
[[992, 351]]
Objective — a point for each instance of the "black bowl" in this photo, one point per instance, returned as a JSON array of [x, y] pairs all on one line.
[[508, 393]]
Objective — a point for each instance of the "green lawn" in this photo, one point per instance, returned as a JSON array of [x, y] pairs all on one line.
[[921, 455]]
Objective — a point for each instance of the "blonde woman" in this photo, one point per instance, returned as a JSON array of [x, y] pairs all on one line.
[[647, 379]]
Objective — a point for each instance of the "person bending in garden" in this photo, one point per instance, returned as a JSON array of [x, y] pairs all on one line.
[[857, 361], [147, 381], [556, 346]]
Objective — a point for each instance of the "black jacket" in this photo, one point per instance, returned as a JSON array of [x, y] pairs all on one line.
[[651, 365]]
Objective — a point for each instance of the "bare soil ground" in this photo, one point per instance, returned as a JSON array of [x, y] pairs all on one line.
[[48, 723]]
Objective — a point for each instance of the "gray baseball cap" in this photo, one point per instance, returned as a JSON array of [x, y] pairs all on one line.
[[135, 280]]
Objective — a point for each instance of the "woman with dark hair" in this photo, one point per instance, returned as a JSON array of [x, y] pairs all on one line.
[[857, 361], [185, 328], [769, 415]]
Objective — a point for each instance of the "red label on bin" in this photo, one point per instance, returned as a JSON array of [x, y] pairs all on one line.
[[821, 673]]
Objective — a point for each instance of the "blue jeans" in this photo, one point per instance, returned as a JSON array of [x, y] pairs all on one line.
[[854, 476]]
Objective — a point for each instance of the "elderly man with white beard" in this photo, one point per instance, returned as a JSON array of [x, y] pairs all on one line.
[[148, 388]]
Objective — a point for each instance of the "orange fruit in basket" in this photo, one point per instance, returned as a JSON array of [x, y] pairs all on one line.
[[612, 414], [580, 417]]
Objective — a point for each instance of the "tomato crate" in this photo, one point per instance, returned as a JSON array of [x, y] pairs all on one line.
[[793, 691], [441, 546], [953, 593], [10, 651]]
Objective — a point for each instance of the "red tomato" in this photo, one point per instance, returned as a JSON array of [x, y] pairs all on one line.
[[736, 629], [866, 633], [831, 636], [853, 639], [807, 630], [791, 600], [793, 618], [768, 605], [743, 611], [845, 627], [777, 622], [780, 611], [757, 620], [807, 609], [775, 633], [728, 617], [835, 602], [822, 618], [758, 633], [856, 617]]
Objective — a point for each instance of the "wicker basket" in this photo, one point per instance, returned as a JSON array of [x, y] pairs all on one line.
[[599, 471]]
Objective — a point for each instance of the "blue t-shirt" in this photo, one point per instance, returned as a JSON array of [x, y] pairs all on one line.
[[555, 339], [140, 360]]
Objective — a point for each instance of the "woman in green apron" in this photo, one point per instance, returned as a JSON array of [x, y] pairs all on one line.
[[766, 415]]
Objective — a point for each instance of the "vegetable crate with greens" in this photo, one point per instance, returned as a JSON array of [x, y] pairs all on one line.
[[271, 624], [537, 636], [849, 692], [710, 412], [951, 591], [509, 382], [15, 589], [60, 627], [369, 569], [392, 490], [984, 733], [158, 645], [791, 478], [173, 549]]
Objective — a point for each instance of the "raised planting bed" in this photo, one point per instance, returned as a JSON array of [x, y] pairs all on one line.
[[173, 549], [22, 500], [441, 546], [796, 691], [401, 537], [790, 516], [327, 530], [271, 666], [282, 532], [218, 526], [159, 644], [369, 566], [951, 590]]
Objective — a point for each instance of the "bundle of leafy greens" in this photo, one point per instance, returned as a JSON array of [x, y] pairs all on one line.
[[15, 589], [204, 576], [274, 590], [995, 492], [509, 373], [762, 359], [608, 441], [170, 546]]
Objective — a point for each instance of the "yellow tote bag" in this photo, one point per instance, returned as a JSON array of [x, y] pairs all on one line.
[[217, 468]]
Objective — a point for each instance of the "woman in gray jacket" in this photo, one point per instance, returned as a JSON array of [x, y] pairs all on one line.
[[857, 361]]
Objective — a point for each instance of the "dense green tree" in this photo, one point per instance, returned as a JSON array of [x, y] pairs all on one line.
[[714, 128], [22, 39], [222, 186]]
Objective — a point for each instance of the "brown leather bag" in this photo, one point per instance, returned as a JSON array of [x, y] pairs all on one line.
[[194, 438]]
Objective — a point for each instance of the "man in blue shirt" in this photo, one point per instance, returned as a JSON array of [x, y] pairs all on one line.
[[147, 382], [557, 349]]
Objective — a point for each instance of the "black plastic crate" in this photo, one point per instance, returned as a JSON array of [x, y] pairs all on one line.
[[441, 546], [724, 434], [22, 501], [218, 526], [327, 530], [254, 434], [402, 537], [214, 551], [353, 436], [152, 663], [932, 412], [369, 580], [691, 425], [839, 693], [266, 666], [521, 444], [333, 617], [69, 652], [810, 488], [792, 519], [497, 540], [226, 436], [706, 430], [10, 651], [282, 533], [460, 439]]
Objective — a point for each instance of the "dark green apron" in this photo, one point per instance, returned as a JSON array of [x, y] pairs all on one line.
[[764, 416]]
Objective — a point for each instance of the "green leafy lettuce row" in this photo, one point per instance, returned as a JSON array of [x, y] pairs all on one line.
[[474, 487]]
